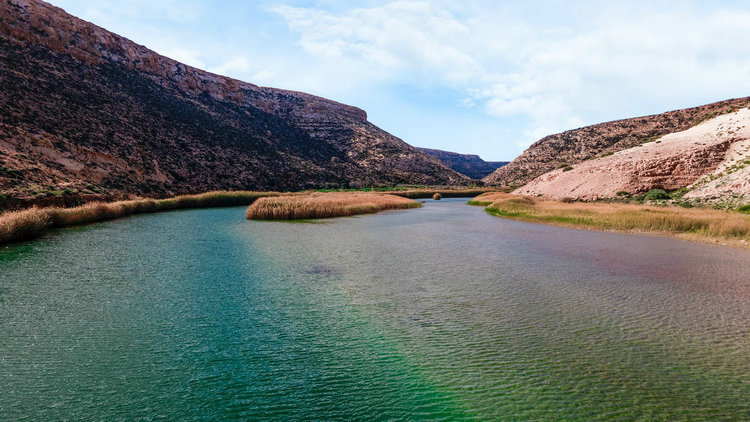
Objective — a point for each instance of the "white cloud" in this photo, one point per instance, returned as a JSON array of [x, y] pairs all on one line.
[[188, 57], [237, 64], [557, 75]]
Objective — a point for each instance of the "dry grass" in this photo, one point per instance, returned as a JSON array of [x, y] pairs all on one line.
[[325, 205], [489, 197], [706, 223], [16, 226]]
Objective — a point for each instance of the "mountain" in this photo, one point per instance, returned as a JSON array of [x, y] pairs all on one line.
[[467, 164], [84, 110], [709, 162], [574, 146]]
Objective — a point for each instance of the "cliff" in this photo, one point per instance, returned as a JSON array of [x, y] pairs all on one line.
[[86, 111], [467, 164], [700, 159], [574, 146]]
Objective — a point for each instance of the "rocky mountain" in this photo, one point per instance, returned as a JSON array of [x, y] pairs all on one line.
[[709, 162], [467, 164], [86, 111], [574, 146]]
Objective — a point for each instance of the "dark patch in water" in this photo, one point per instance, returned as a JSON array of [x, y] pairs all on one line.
[[322, 270]]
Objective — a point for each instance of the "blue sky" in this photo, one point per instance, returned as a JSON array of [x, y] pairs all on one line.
[[485, 77]]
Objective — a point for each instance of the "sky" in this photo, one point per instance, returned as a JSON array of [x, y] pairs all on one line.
[[474, 76]]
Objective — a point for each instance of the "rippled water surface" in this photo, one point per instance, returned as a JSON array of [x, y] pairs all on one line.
[[438, 313]]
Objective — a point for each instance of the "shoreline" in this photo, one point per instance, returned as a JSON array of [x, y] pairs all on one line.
[[716, 227], [30, 223]]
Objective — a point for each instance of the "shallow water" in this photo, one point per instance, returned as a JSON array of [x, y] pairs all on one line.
[[443, 312]]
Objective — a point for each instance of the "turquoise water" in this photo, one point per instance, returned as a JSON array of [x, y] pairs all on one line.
[[439, 313]]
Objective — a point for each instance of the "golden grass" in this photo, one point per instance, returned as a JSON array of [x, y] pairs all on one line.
[[325, 205], [697, 223], [16, 226], [488, 197]]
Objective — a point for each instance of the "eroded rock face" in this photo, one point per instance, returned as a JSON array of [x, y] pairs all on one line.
[[574, 146], [467, 164], [701, 159], [85, 110]]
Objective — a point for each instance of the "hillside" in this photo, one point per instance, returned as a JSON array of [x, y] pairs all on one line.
[[86, 111], [711, 161], [470, 165], [574, 146]]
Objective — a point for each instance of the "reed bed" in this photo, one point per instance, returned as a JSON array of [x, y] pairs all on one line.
[[700, 222], [16, 226], [325, 205]]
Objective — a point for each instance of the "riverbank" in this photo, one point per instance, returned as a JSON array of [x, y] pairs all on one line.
[[17, 226], [698, 224], [28, 224], [325, 205]]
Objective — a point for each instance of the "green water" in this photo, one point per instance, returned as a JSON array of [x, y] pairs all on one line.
[[439, 313]]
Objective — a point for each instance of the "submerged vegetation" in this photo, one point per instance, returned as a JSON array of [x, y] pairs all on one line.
[[16, 226], [325, 205], [693, 222]]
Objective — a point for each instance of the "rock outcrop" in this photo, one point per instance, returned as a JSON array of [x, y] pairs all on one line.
[[710, 160], [84, 110], [574, 146], [470, 165]]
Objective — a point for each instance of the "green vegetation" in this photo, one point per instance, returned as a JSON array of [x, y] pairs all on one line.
[[325, 205], [745, 209], [656, 194], [623, 193], [445, 193], [11, 173], [16, 226], [567, 168]]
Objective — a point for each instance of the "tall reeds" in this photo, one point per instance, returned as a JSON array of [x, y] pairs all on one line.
[[16, 226], [703, 222], [325, 205]]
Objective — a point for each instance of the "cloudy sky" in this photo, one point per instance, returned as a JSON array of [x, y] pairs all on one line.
[[486, 77]]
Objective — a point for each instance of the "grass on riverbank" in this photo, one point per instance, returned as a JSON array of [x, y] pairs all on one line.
[[325, 205], [16, 226], [696, 223]]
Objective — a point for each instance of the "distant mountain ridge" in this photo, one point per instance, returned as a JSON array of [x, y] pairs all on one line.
[[578, 145], [470, 165], [84, 110]]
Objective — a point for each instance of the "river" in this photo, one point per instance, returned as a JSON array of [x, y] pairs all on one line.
[[438, 313]]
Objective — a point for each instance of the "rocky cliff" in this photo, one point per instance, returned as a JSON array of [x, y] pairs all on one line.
[[467, 164], [83, 110], [710, 161], [574, 146]]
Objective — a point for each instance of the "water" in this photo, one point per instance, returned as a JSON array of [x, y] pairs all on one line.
[[438, 313]]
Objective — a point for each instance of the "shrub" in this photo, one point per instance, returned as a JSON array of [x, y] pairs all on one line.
[[745, 209], [567, 168], [656, 194], [437, 196], [623, 193]]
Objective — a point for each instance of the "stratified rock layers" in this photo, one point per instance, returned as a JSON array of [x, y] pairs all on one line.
[[711, 159], [574, 146], [85, 110], [470, 165]]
